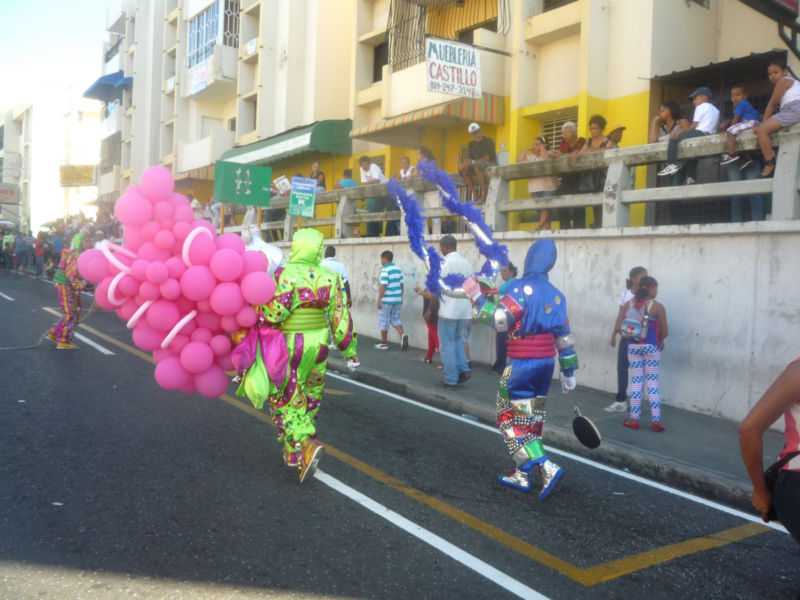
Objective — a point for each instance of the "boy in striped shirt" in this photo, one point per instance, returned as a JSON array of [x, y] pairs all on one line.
[[390, 301]]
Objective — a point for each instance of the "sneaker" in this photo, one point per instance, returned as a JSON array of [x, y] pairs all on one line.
[[747, 162], [616, 407], [404, 342], [690, 181], [670, 169], [310, 453], [631, 423], [51, 337], [66, 346], [656, 426], [728, 159], [381, 346]]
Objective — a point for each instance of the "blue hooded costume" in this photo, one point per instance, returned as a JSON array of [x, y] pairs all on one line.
[[534, 313]]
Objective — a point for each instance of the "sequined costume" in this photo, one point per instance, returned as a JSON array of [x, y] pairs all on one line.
[[309, 308], [534, 313], [68, 285]]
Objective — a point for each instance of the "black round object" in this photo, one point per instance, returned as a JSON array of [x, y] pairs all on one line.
[[586, 432]]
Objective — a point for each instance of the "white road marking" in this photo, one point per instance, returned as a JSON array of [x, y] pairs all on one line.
[[93, 344], [440, 544], [9, 298], [580, 459]]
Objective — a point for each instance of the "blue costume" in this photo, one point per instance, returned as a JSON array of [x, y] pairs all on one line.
[[534, 313]]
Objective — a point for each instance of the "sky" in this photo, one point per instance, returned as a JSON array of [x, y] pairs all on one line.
[[50, 51]]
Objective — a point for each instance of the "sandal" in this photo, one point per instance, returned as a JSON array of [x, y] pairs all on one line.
[[427, 360], [769, 167]]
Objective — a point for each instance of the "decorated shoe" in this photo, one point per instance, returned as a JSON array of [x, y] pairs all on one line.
[[632, 423], [291, 459], [551, 473], [310, 453], [66, 346], [517, 479], [51, 337]]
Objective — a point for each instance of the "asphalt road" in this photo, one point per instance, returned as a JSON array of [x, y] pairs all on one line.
[[111, 487]]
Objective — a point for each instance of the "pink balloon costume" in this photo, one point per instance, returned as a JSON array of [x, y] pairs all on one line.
[[310, 311]]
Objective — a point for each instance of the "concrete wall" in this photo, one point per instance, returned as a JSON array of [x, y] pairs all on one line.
[[729, 292]]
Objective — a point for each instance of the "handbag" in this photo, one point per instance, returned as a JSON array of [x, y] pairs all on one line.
[[771, 478]]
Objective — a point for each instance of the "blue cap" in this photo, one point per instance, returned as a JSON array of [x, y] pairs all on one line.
[[701, 90]]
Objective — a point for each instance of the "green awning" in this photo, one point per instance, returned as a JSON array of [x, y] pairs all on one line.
[[332, 136]]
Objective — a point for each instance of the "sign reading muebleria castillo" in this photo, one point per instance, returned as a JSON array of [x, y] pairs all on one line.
[[453, 68]]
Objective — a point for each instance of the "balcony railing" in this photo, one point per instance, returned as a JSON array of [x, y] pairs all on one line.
[[616, 198]]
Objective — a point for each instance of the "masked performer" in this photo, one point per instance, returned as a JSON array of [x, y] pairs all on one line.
[[68, 286], [534, 313], [310, 310]]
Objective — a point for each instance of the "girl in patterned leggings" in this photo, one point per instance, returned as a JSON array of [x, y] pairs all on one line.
[[645, 356]]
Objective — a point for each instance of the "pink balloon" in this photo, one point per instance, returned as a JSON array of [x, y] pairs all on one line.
[[220, 344], [201, 334], [184, 213], [170, 374], [181, 229], [196, 357], [88, 257], [166, 224], [157, 272], [133, 189], [213, 383], [226, 362], [226, 264], [128, 286], [229, 324], [160, 354], [149, 230], [162, 315], [170, 289], [175, 266], [197, 283], [145, 337], [205, 223], [133, 238], [139, 268], [246, 317], [178, 342], [149, 291], [189, 387], [258, 288], [204, 306], [133, 210], [254, 261], [185, 305], [126, 311], [156, 183], [149, 251], [177, 200], [209, 320], [101, 294], [231, 241], [162, 211], [201, 250], [164, 240], [226, 299]]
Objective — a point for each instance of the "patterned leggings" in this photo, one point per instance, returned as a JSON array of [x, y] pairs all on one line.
[[645, 360], [71, 305]]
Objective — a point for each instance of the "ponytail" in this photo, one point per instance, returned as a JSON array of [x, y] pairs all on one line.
[[646, 284]]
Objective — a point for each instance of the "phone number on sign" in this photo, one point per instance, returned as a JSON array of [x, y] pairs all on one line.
[[454, 88]]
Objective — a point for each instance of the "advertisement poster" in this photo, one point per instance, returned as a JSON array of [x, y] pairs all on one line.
[[301, 201], [453, 68]]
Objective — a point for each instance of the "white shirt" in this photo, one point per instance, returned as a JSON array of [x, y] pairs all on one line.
[[624, 297], [405, 173], [455, 308], [374, 172], [335, 265], [707, 117], [792, 94]]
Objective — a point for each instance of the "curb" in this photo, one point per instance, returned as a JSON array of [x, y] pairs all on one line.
[[685, 477]]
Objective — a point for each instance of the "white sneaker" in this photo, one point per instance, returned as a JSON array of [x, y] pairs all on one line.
[[670, 169], [404, 342], [690, 181], [728, 159], [617, 407], [381, 346]]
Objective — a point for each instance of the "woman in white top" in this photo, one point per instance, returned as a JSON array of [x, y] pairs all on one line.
[[540, 187], [786, 99]]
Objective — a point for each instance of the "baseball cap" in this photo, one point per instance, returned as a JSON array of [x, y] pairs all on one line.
[[473, 127], [701, 90]]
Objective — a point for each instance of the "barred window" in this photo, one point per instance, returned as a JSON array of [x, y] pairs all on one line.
[[218, 24], [551, 129], [380, 57]]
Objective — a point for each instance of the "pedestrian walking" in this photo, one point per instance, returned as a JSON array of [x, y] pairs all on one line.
[[390, 301]]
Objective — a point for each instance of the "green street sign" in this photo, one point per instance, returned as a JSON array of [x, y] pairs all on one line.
[[236, 183], [301, 201]]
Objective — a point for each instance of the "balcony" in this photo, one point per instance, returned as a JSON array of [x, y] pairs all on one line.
[[553, 25], [214, 79], [204, 152], [111, 124], [108, 183]]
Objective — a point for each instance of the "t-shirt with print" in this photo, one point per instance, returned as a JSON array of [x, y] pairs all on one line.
[[706, 116], [746, 111], [392, 278]]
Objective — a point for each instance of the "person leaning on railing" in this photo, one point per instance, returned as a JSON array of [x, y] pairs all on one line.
[[570, 145]]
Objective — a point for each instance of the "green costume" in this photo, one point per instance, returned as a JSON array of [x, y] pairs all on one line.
[[310, 309]]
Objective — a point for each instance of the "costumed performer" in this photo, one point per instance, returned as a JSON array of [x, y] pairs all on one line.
[[310, 310], [68, 284], [534, 313]]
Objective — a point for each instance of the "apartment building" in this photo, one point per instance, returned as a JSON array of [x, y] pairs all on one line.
[[79, 159], [16, 162]]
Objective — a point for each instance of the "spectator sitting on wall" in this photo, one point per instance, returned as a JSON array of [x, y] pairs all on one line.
[[480, 155], [372, 174]]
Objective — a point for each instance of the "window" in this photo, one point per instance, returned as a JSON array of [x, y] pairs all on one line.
[[207, 29], [380, 57], [551, 129], [703, 3], [232, 124], [553, 4]]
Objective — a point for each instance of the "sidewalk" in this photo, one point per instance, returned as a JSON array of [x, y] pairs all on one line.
[[696, 453]]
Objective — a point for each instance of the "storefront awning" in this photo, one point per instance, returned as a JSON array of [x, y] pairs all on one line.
[[332, 137], [407, 129], [108, 87], [205, 173]]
